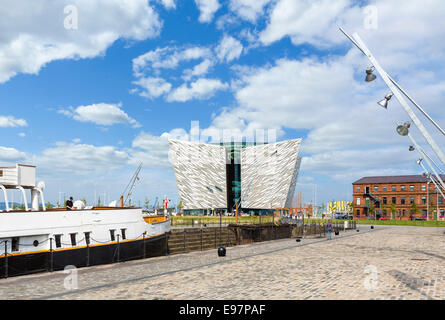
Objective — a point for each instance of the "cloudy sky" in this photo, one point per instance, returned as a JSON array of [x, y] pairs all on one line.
[[91, 88]]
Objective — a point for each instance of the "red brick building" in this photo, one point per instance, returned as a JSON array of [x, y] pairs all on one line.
[[374, 196]]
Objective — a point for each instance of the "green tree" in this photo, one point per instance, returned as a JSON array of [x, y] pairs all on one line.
[[49, 205], [371, 209], [98, 202], [180, 206], [414, 209]]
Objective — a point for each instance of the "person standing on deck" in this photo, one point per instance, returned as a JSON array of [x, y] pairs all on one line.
[[69, 204]]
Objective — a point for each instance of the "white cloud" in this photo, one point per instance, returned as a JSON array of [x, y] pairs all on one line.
[[11, 155], [249, 10], [8, 121], [153, 150], [207, 9], [168, 4], [75, 158], [167, 58], [229, 49], [152, 87], [200, 89], [102, 114], [38, 27], [303, 21], [22, 134], [198, 70]]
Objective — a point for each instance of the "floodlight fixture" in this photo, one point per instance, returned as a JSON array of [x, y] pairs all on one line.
[[419, 161], [369, 74], [384, 103], [411, 148], [402, 130]]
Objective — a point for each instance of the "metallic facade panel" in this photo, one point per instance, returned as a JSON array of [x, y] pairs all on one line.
[[268, 174], [200, 171]]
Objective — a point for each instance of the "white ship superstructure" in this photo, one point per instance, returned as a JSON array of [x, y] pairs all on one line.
[[38, 238]]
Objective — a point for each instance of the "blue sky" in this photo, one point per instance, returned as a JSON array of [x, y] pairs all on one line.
[[88, 102]]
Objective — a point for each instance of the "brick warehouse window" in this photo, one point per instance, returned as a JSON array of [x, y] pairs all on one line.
[[393, 188], [423, 200], [402, 200], [393, 200], [384, 200], [402, 188], [403, 212], [423, 188], [376, 189], [384, 188], [358, 189], [411, 188], [440, 199], [358, 201], [411, 200], [358, 213]]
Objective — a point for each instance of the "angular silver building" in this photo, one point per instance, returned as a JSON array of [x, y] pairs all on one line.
[[257, 177]]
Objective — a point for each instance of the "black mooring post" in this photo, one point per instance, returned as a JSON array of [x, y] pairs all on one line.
[[6, 258]]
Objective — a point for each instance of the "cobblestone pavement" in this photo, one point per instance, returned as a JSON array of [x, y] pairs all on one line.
[[384, 263]]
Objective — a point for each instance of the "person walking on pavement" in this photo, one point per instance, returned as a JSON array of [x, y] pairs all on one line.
[[329, 229]]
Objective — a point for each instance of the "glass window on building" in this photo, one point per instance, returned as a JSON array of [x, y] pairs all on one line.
[[358, 189], [358, 213], [442, 213], [376, 189], [384, 200], [402, 188], [358, 201], [393, 200], [384, 188], [423, 200], [403, 212], [440, 199], [411, 188], [393, 188], [411, 200], [402, 200], [423, 188]]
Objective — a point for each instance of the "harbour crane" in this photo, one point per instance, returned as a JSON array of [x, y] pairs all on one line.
[[130, 186]]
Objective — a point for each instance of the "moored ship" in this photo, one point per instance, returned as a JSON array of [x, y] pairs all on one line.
[[37, 239]]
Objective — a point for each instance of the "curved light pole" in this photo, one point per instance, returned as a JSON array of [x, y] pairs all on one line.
[[397, 92]]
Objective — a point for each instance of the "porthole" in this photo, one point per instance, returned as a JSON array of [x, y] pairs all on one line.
[[35, 243]]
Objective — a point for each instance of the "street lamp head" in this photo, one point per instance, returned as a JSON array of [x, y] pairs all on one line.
[[384, 103], [402, 130], [369, 75], [419, 161]]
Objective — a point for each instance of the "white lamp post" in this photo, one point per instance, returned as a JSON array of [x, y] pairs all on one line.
[[397, 92]]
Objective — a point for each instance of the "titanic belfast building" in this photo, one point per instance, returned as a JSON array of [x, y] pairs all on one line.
[[257, 177]]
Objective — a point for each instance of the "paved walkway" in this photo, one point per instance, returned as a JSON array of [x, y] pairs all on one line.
[[384, 263]]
